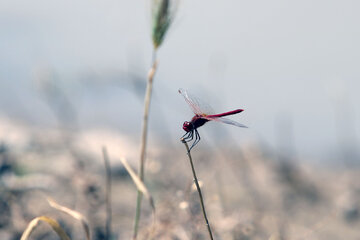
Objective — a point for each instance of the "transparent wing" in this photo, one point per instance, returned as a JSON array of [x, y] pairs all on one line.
[[226, 120], [196, 105]]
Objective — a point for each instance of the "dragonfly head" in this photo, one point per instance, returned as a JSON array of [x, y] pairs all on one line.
[[188, 126]]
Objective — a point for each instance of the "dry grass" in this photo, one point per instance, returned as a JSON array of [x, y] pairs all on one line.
[[53, 223], [250, 194], [76, 215]]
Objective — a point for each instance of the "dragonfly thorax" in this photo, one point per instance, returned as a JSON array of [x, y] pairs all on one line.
[[196, 121]]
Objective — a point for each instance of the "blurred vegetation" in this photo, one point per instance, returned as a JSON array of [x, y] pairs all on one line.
[[250, 190]]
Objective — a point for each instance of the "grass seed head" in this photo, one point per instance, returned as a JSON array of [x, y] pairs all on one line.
[[163, 12]]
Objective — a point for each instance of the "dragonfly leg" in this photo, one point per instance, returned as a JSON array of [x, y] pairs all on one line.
[[197, 139], [188, 136], [198, 136], [191, 136]]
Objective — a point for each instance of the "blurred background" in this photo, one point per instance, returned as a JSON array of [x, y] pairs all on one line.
[[73, 77]]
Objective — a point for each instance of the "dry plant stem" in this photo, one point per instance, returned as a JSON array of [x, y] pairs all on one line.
[[107, 194], [198, 188], [147, 101]]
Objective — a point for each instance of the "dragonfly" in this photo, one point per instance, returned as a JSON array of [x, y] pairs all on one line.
[[201, 117]]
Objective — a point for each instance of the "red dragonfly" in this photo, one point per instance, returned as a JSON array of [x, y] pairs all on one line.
[[201, 118]]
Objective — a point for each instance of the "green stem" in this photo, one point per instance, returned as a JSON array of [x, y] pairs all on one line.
[[147, 101], [198, 189]]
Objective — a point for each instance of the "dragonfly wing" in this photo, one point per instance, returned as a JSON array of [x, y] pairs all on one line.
[[226, 120], [195, 104]]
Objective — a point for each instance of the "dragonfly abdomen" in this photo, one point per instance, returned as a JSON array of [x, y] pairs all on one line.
[[226, 113]]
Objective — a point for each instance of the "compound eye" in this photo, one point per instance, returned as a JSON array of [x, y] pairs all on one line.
[[187, 126]]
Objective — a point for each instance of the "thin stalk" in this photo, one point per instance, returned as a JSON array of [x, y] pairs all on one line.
[[107, 194], [147, 101], [198, 188]]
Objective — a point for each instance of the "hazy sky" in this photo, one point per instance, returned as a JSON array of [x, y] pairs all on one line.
[[292, 65]]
